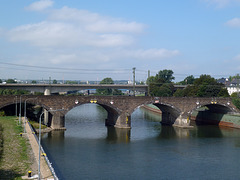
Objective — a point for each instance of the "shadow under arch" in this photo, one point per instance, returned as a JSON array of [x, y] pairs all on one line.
[[33, 111], [112, 115], [211, 114], [12, 109], [169, 113]]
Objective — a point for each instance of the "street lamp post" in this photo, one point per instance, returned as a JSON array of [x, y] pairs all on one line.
[[25, 109], [39, 145], [134, 69], [16, 106], [19, 119], [39, 140]]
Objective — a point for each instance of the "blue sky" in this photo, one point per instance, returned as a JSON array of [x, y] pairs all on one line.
[[91, 40]]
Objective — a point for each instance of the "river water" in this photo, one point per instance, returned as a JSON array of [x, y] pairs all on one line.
[[89, 150]]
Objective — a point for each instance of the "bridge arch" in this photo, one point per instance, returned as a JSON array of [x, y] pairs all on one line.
[[170, 113], [7, 104], [13, 108], [112, 112], [12, 105], [218, 107], [211, 113]]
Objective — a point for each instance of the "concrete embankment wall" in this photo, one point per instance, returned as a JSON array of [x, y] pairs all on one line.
[[152, 108], [46, 172], [227, 120]]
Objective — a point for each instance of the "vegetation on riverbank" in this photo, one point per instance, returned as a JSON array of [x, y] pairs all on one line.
[[14, 150], [35, 125]]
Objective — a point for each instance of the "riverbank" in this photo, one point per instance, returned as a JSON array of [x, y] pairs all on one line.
[[16, 157], [224, 120], [45, 170], [19, 152], [201, 116]]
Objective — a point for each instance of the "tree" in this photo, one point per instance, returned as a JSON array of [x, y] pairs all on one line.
[[223, 93], [11, 81], [236, 102], [205, 86], [237, 76], [108, 91], [150, 80], [107, 81], [190, 91], [205, 79], [71, 82], [179, 93], [13, 92], [160, 85], [54, 81], [165, 90], [188, 80], [117, 92], [34, 82], [165, 76], [234, 95], [0, 81]]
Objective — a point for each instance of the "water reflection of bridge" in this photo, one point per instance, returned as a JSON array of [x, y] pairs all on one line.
[[117, 135]]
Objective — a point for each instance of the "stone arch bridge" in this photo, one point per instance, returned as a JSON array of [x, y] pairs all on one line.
[[175, 110]]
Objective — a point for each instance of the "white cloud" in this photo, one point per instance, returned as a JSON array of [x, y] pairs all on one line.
[[235, 22], [96, 23], [73, 27], [1, 31], [73, 36], [221, 3], [74, 15], [59, 34], [40, 5], [237, 57], [151, 53]]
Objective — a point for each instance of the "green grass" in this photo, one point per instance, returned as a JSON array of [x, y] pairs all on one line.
[[14, 159], [35, 125]]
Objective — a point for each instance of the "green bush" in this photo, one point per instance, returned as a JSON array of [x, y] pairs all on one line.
[[236, 102], [1, 141], [234, 95], [2, 113]]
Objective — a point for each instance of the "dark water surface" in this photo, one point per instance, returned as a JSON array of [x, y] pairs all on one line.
[[89, 150]]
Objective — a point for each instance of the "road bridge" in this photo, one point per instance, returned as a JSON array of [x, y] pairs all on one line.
[[175, 110], [55, 88], [47, 89]]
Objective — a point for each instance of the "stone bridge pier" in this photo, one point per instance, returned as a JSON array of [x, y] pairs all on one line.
[[172, 115], [57, 120], [124, 120]]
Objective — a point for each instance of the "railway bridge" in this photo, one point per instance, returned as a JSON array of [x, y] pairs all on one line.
[[175, 110]]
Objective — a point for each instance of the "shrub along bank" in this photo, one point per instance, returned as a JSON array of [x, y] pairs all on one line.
[[14, 150]]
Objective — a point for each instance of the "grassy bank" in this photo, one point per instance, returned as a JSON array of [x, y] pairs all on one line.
[[14, 150]]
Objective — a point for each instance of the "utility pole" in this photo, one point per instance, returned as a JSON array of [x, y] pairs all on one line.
[[238, 85], [134, 81], [148, 83]]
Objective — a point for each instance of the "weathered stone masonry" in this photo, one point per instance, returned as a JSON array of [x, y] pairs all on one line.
[[119, 108]]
